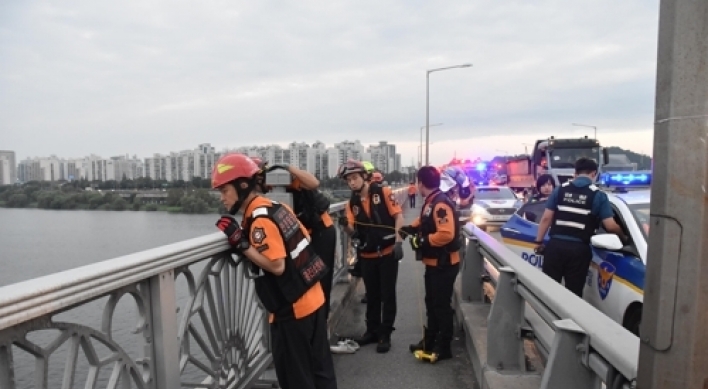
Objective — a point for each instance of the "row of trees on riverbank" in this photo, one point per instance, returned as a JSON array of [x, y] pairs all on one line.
[[37, 195]]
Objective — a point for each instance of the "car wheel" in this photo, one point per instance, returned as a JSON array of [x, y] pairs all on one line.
[[633, 318]]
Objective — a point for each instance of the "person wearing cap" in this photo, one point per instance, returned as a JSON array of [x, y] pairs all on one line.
[[312, 209], [288, 273], [573, 212], [373, 218], [436, 237]]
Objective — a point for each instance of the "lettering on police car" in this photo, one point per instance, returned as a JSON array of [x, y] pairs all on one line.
[[533, 259], [605, 273]]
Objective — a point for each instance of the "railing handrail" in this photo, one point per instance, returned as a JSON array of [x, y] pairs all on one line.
[[26, 300], [618, 346]]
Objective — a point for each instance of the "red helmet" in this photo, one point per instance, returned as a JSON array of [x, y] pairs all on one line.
[[231, 167], [377, 177], [259, 162], [351, 166]]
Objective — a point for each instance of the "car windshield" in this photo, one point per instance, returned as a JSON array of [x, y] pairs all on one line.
[[641, 216], [565, 158], [495, 194]]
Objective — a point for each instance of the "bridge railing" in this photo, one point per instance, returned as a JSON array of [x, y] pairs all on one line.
[[198, 322], [581, 346]]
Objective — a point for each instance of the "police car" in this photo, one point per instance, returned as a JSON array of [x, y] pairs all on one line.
[[615, 280], [493, 206]]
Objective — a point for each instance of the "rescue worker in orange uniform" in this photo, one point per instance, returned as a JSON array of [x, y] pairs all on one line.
[[374, 217], [435, 235], [412, 191], [289, 273], [377, 177], [312, 209]]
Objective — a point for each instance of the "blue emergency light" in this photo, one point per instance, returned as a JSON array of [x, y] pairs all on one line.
[[626, 179], [481, 167]]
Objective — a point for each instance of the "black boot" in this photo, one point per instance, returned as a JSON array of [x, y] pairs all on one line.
[[442, 351], [384, 343], [426, 344], [368, 338]]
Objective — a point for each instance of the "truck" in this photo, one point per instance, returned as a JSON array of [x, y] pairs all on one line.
[[555, 157]]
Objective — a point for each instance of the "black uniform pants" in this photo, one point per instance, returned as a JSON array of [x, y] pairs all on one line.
[[411, 200], [301, 353], [569, 261], [439, 282], [324, 243], [380, 276]]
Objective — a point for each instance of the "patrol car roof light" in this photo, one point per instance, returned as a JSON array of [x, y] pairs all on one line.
[[626, 179]]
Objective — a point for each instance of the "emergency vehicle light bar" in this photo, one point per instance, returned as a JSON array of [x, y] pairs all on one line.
[[626, 179]]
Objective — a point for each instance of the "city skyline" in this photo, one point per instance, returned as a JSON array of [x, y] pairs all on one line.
[[186, 164]]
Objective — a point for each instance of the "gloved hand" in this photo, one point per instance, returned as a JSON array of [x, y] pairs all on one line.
[[342, 221], [398, 251], [539, 249], [230, 227], [416, 242], [276, 167], [407, 231]]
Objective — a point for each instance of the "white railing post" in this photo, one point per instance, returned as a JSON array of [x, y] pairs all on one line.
[[165, 344], [7, 376], [565, 368], [471, 279], [505, 346]]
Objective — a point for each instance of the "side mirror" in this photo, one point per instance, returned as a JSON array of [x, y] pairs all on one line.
[[605, 156], [607, 241]]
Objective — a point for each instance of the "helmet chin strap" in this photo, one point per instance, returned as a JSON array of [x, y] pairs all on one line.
[[242, 193]]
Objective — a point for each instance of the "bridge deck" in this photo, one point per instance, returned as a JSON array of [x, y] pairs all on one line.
[[398, 368]]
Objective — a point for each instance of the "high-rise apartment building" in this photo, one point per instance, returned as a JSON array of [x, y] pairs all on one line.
[[8, 167]]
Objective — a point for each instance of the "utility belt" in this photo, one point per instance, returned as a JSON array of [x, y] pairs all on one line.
[[443, 257], [377, 247]]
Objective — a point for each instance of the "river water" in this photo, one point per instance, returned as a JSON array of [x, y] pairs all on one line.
[[35, 243]]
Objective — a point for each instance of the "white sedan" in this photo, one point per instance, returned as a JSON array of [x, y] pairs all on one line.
[[493, 206]]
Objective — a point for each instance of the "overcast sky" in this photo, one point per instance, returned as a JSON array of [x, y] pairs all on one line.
[[144, 77]]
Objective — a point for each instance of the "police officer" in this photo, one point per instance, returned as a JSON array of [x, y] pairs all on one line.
[[435, 234], [288, 285], [312, 209], [375, 216], [573, 212]]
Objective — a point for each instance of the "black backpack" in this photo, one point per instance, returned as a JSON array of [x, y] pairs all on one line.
[[309, 205]]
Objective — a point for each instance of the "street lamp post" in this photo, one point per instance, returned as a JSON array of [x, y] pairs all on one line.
[[427, 106], [585, 125], [420, 147]]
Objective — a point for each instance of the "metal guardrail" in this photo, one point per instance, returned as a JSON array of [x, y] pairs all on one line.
[[215, 337], [583, 347]]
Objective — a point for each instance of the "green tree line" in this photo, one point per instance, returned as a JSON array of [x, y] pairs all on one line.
[[46, 196]]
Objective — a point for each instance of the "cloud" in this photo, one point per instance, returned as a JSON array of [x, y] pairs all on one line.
[[147, 77]]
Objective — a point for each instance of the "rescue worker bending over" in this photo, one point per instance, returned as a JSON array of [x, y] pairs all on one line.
[[374, 216], [435, 234], [573, 212], [312, 210], [288, 285]]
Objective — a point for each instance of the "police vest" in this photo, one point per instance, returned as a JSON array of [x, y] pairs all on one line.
[[429, 226], [376, 231], [574, 214], [303, 268]]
